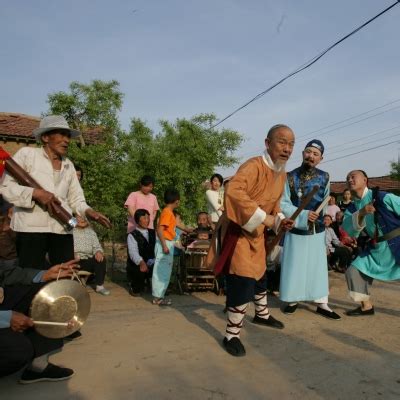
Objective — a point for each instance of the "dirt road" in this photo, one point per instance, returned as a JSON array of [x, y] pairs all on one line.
[[133, 350]]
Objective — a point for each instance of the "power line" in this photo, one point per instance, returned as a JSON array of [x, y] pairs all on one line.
[[350, 118], [305, 65], [353, 147], [359, 152], [350, 124]]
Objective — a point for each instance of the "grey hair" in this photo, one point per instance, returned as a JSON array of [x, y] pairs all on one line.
[[274, 128]]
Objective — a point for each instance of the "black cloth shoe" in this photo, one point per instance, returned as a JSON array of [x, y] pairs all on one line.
[[51, 373], [358, 312], [271, 322], [290, 309], [73, 336], [328, 314], [234, 347]]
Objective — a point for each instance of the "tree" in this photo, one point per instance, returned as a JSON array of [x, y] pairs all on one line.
[[184, 154], [395, 170]]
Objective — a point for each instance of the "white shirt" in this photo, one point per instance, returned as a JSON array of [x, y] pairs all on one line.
[[30, 217]]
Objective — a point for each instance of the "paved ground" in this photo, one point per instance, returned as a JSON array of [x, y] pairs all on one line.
[[134, 350]]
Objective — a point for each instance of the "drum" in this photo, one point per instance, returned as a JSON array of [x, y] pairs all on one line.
[[195, 259]]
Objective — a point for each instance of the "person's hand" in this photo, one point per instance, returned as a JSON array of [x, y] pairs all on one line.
[[143, 266], [165, 250], [64, 270], [221, 209], [367, 209], [20, 322], [99, 256], [46, 199], [269, 221], [312, 216], [287, 224], [98, 217]]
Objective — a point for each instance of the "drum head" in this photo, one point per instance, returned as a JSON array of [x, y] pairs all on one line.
[[60, 301]]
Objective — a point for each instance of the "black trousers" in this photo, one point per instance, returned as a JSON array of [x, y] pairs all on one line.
[[32, 248], [98, 269], [137, 278], [241, 289], [17, 349], [342, 255]]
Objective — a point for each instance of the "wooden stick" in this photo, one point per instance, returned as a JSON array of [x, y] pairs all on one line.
[[302, 206], [323, 204], [50, 323]]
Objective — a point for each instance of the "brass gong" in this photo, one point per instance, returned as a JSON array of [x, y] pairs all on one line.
[[60, 308]]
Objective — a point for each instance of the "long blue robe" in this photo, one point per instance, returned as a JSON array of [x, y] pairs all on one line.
[[304, 273], [379, 262]]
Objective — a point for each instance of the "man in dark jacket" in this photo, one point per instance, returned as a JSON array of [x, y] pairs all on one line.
[[19, 343]]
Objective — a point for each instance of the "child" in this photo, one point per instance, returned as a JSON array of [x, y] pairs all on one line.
[[141, 244], [164, 251]]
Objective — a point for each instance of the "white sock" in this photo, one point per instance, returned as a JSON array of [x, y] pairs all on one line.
[[38, 364], [99, 287], [260, 304], [235, 321], [324, 306]]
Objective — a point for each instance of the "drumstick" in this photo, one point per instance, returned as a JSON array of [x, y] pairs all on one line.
[[323, 204], [51, 323]]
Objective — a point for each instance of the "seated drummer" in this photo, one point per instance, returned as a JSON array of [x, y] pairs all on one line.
[[203, 225], [20, 344]]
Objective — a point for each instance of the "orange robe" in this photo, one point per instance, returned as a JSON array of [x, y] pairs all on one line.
[[252, 193]]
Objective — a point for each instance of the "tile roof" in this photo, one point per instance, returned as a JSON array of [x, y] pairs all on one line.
[[385, 183], [17, 125]]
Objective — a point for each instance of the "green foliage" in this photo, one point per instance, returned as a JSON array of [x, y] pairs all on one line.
[[184, 154], [395, 170]]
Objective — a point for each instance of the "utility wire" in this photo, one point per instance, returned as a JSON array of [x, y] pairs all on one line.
[[305, 65], [297, 160], [334, 129], [359, 152]]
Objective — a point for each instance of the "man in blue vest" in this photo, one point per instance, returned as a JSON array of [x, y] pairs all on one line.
[[378, 213], [304, 271]]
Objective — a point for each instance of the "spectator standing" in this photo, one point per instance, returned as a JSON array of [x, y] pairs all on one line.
[[346, 201], [215, 198], [333, 209], [142, 199]]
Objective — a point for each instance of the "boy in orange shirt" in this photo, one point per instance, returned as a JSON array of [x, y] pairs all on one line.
[[164, 250]]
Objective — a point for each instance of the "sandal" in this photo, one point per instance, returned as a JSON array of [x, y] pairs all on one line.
[[162, 302]]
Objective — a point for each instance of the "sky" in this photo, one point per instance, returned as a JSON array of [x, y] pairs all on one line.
[[178, 58]]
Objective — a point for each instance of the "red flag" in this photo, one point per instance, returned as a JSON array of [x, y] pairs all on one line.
[[4, 156]]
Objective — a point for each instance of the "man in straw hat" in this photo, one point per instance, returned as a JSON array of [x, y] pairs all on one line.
[[20, 345], [304, 273], [38, 233]]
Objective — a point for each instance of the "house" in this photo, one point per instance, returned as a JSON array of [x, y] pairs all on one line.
[[385, 183], [16, 132]]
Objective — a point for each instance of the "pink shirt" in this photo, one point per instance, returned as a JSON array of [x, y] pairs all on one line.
[[139, 200]]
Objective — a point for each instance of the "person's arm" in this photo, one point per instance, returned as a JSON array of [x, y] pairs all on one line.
[[130, 204], [212, 199], [134, 255], [160, 234]]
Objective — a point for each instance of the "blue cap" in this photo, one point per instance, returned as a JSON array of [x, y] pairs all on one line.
[[317, 144]]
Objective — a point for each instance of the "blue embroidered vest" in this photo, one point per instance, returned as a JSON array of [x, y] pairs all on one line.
[[387, 222], [301, 181]]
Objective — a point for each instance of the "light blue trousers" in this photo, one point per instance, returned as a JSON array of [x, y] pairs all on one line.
[[162, 268]]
